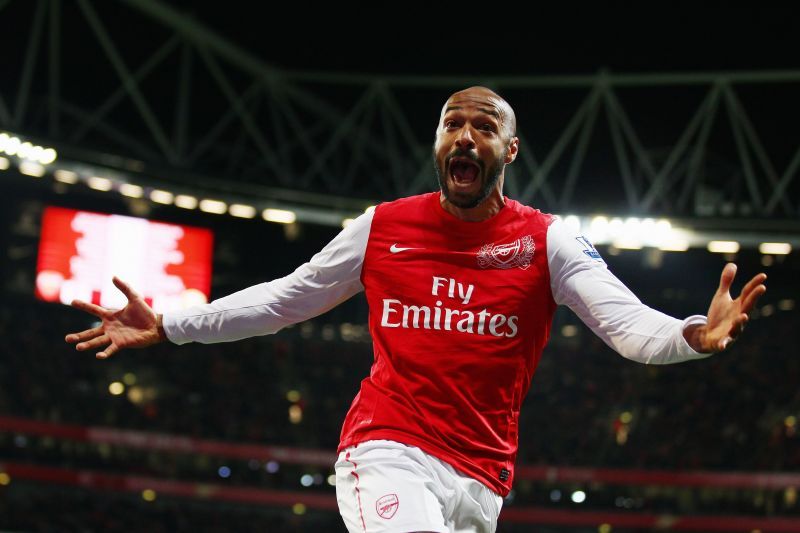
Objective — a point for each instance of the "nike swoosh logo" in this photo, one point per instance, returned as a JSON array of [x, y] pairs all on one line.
[[396, 249]]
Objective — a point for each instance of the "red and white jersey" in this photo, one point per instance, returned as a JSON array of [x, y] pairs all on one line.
[[459, 315]]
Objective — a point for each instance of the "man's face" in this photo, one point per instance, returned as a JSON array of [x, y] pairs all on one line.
[[473, 145]]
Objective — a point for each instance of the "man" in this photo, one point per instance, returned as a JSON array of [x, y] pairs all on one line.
[[462, 285]]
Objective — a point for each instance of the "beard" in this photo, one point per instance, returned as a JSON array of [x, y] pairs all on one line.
[[463, 200]]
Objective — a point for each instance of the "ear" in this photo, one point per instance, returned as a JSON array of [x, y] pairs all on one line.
[[513, 150]]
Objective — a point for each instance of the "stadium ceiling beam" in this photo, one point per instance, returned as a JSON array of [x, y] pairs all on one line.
[[181, 123], [359, 138], [660, 185], [617, 111], [337, 136], [359, 134], [111, 131], [696, 158], [738, 113], [565, 201], [203, 144], [393, 120], [281, 105], [201, 35], [54, 68], [788, 176], [5, 116], [626, 173], [117, 96], [656, 79], [34, 38], [239, 108], [540, 173], [131, 86]]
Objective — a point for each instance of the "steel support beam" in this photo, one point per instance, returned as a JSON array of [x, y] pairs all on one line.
[[350, 134], [34, 38], [127, 79]]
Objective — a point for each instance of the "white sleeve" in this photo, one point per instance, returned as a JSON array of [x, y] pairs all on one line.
[[581, 280], [332, 276]]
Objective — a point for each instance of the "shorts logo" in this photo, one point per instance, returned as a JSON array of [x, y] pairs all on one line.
[[515, 254], [386, 506]]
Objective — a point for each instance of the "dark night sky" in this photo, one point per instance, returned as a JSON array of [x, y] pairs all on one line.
[[467, 39]]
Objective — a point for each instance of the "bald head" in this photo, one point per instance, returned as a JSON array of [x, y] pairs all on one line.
[[493, 103]]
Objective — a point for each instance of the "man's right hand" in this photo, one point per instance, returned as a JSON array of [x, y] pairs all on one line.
[[134, 326]]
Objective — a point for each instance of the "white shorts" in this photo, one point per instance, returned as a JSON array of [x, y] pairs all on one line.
[[383, 486]]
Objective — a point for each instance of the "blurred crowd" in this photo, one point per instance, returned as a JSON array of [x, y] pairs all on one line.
[[587, 407]]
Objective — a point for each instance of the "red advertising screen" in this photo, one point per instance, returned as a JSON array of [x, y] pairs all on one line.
[[80, 251]]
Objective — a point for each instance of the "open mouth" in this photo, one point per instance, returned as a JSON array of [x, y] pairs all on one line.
[[464, 171]]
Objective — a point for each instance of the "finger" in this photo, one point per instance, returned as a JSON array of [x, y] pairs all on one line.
[[97, 342], [84, 335], [750, 300], [90, 308], [753, 283], [129, 293], [724, 343], [108, 352], [726, 279], [738, 325]]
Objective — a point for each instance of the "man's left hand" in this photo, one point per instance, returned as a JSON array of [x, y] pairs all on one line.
[[726, 316]]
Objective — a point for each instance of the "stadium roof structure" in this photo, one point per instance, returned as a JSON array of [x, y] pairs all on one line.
[[153, 99]]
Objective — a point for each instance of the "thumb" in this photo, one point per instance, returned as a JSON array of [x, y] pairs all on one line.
[[129, 293], [723, 343], [726, 279]]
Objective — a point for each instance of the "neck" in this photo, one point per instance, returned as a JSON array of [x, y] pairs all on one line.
[[487, 209]]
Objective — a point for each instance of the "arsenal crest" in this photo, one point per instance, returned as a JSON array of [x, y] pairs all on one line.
[[387, 506], [516, 254]]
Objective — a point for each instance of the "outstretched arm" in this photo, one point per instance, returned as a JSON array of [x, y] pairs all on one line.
[[330, 277], [581, 280], [726, 316], [134, 326]]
